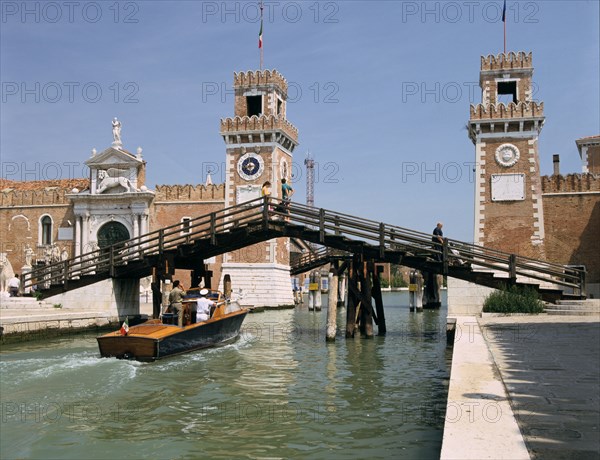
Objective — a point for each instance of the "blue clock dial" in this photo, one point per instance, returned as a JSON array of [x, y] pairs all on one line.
[[250, 166]]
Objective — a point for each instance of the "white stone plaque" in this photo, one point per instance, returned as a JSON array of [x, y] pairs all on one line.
[[65, 233], [247, 193], [508, 187]]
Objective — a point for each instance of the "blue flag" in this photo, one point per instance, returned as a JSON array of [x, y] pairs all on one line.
[[504, 12]]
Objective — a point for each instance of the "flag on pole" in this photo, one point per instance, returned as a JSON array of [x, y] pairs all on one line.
[[125, 326], [261, 28], [504, 21]]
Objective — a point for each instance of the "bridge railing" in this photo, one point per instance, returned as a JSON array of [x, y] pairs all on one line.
[[259, 213], [451, 252], [104, 261]]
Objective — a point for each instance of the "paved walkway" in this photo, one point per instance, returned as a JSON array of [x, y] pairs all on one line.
[[551, 369]]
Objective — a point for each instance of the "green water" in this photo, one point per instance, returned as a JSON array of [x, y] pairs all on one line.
[[280, 391]]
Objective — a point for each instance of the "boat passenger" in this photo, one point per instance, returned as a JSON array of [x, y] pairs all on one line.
[[175, 301], [204, 305]]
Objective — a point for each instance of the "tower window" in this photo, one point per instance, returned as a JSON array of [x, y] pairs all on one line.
[[279, 106], [507, 91], [46, 230], [254, 104]]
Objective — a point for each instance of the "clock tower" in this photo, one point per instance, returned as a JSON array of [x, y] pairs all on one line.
[[259, 144], [505, 128]]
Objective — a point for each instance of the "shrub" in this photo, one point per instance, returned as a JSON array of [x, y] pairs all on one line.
[[513, 300]]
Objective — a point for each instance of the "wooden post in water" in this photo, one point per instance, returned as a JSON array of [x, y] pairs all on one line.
[[366, 318], [227, 286], [332, 304], [343, 287], [376, 293], [318, 291], [415, 289], [352, 299]]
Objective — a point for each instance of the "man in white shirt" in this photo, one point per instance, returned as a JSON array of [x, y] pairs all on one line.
[[14, 284], [203, 308]]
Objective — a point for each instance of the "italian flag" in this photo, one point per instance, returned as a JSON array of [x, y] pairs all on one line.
[[260, 34], [125, 326]]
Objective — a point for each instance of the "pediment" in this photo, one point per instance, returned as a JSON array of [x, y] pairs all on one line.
[[112, 157]]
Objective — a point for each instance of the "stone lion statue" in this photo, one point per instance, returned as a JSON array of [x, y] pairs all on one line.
[[6, 272], [113, 177]]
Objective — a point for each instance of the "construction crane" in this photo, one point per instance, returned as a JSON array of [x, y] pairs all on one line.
[[310, 180]]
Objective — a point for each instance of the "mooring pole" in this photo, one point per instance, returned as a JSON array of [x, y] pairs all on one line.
[[318, 291], [352, 300], [376, 293], [332, 304], [366, 318]]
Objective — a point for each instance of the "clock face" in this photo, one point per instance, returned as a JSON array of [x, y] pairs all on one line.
[[507, 155], [250, 166]]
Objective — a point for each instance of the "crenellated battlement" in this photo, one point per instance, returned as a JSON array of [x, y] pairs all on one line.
[[571, 183], [259, 124], [507, 61], [260, 78], [187, 192], [501, 111], [38, 193]]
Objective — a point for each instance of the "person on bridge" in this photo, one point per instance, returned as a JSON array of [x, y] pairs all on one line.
[[175, 301], [438, 239], [204, 306], [286, 194]]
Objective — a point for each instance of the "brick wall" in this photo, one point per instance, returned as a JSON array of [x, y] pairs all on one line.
[[572, 218]]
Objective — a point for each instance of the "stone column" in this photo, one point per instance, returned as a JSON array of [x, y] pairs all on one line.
[[136, 226], [85, 229], [77, 235]]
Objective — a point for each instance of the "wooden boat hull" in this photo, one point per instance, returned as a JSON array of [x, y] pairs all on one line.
[[154, 340]]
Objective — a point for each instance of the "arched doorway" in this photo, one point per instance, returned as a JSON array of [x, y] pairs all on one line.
[[111, 233]]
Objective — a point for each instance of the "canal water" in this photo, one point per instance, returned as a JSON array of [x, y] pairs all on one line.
[[280, 391]]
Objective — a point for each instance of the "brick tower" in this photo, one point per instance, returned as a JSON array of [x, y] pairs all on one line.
[[505, 128], [259, 142]]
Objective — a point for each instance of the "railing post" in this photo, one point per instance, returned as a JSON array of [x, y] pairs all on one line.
[[512, 268], [161, 241], [213, 228], [65, 274], [265, 212], [321, 225], [381, 240], [111, 261], [445, 257], [336, 223]]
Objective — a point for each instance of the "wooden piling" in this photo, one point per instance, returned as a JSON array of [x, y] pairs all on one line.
[[332, 305], [352, 299], [366, 317], [376, 293]]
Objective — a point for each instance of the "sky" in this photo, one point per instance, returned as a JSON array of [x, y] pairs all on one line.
[[379, 91]]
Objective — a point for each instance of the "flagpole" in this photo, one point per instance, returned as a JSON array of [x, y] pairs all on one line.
[[504, 21], [261, 46], [505, 36]]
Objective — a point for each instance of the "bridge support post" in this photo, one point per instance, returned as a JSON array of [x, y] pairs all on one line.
[[352, 298], [332, 305], [432, 291], [366, 317], [376, 293]]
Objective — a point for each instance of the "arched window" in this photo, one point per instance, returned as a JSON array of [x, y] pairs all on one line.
[[46, 230]]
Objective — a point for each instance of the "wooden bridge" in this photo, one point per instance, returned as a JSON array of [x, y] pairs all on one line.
[[347, 237]]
